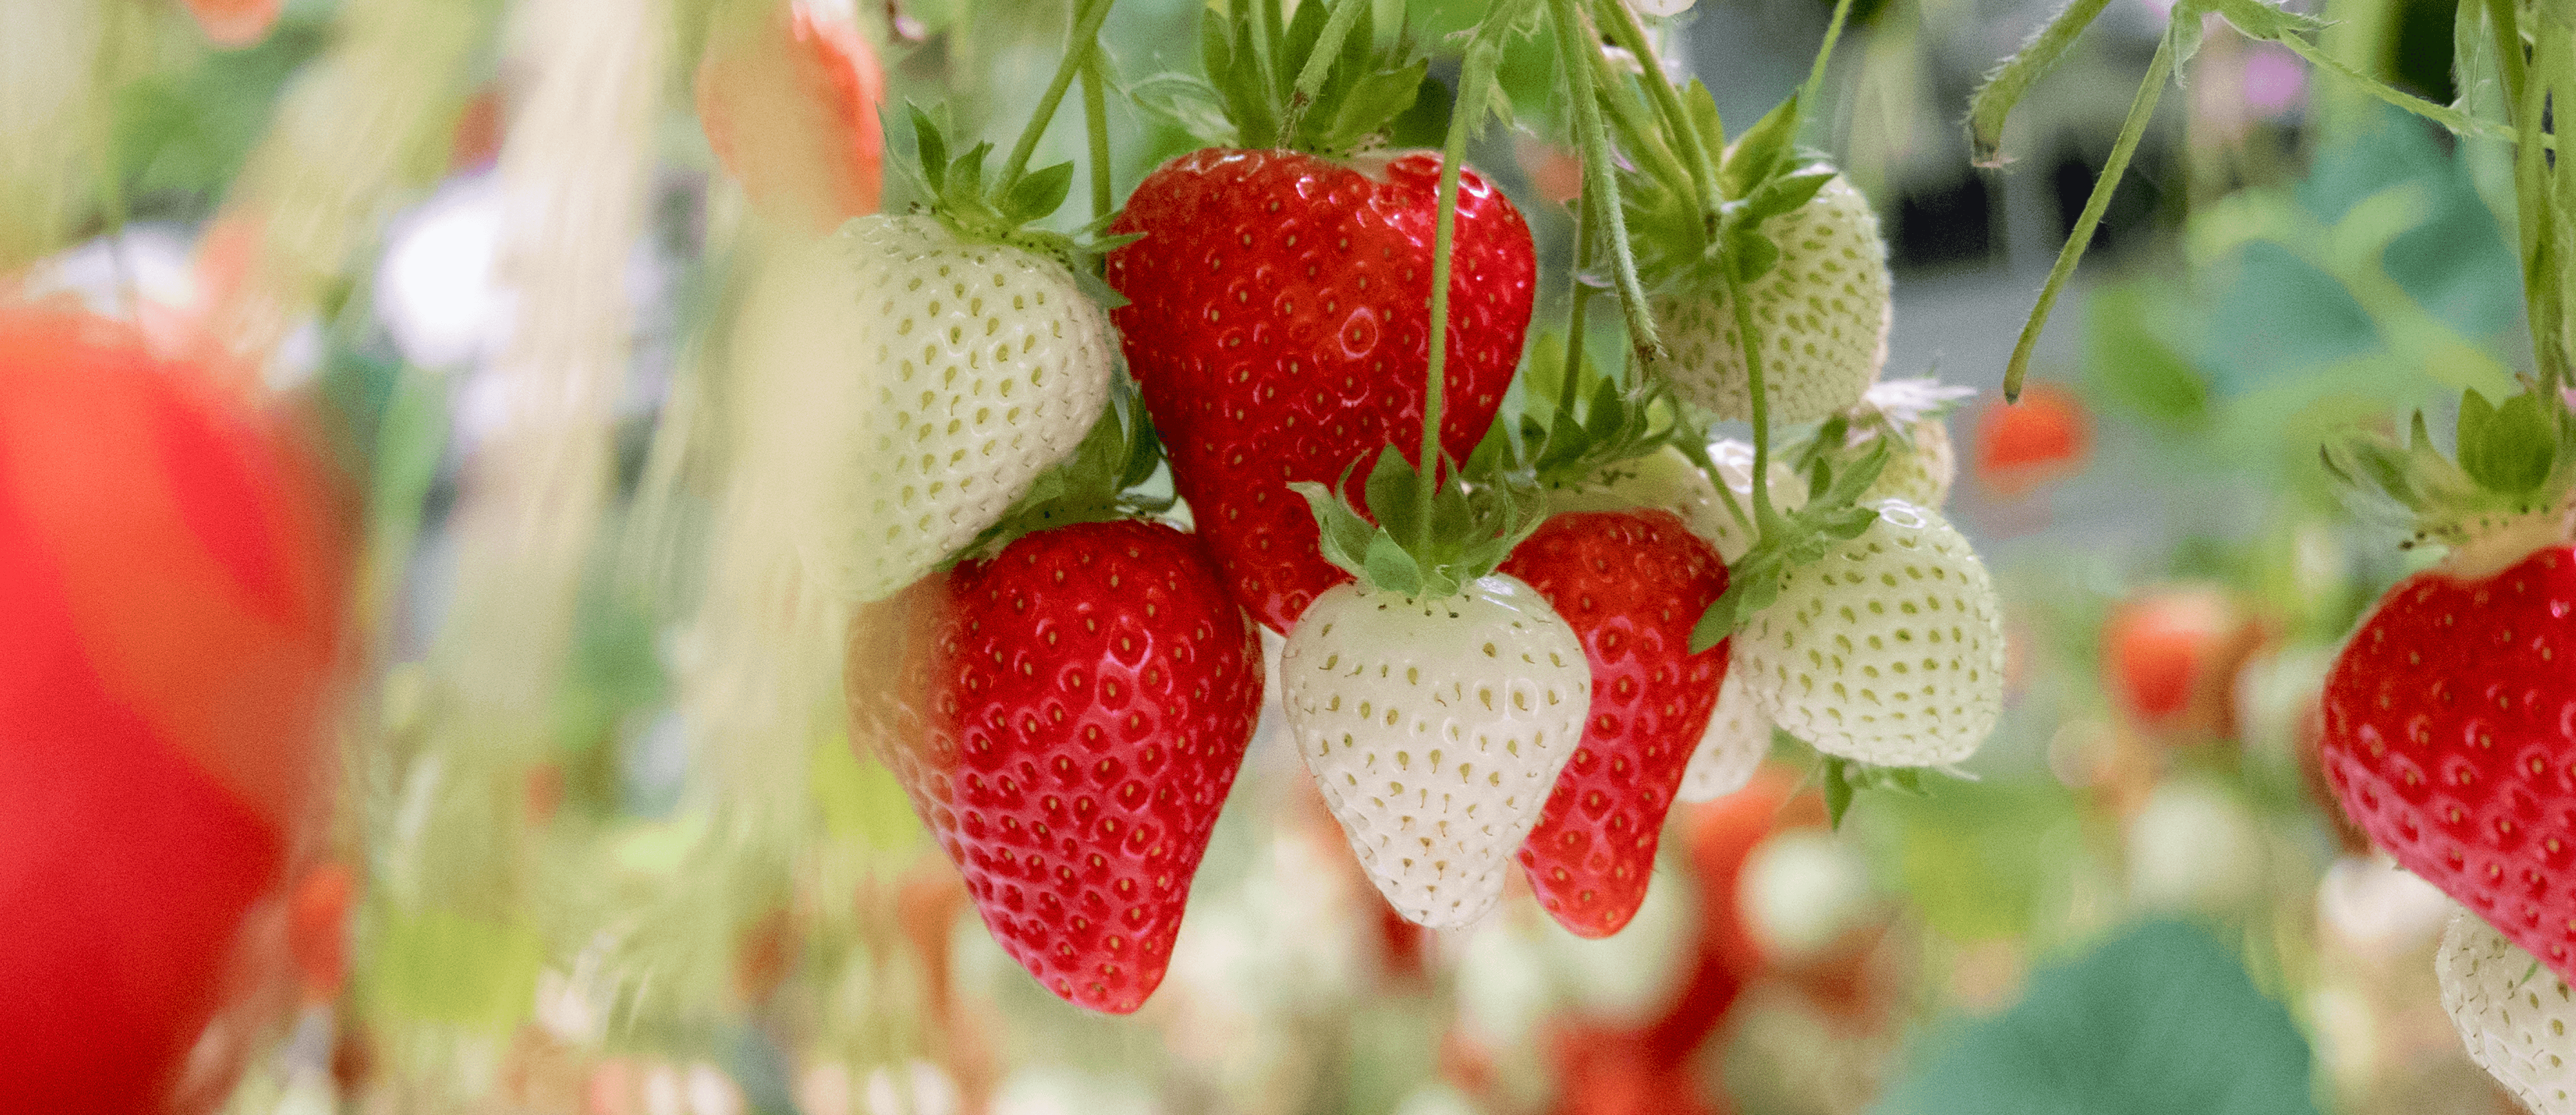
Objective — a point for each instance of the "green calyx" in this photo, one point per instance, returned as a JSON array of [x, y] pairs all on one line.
[[1890, 411], [1000, 209], [1843, 778], [2516, 463], [1096, 484], [1837, 474], [1318, 83], [1595, 420], [1764, 175], [1421, 548]]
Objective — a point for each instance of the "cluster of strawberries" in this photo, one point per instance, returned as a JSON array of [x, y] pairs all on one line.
[[1521, 656]]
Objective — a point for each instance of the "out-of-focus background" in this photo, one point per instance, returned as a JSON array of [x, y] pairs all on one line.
[[2141, 901]]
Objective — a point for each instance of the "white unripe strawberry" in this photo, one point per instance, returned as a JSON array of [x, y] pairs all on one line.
[[1921, 463], [1821, 315], [1732, 749], [1435, 729], [1889, 650], [2516, 1016], [927, 379]]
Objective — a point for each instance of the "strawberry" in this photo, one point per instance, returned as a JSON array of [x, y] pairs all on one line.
[[2171, 656], [1068, 714], [1908, 414], [913, 375], [1888, 651], [2444, 713], [232, 24], [170, 593], [2038, 440], [2514, 1016], [1630, 585], [1820, 314], [1435, 726], [1731, 749], [789, 103], [1277, 309]]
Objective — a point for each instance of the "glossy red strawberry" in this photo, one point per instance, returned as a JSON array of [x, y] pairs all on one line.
[[1631, 584], [169, 616], [1278, 321], [2450, 736], [1067, 718]]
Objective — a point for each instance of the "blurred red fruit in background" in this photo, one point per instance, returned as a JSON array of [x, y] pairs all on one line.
[[789, 104], [2170, 656], [317, 929], [2020, 446], [235, 23], [170, 585]]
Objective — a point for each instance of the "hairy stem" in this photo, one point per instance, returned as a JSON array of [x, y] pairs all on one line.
[[1631, 37], [1475, 80], [1095, 120], [1319, 65], [1088, 15], [1566, 393], [1764, 517], [1573, 40], [1824, 53], [2141, 110]]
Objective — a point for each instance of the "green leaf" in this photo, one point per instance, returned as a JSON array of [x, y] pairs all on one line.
[[1373, 100], [1761, 150], [1785, 194], [1837, 785], [2506, 449], [2159, 1020], [1188, 101], [1750, 255], [932, 149], [441, 966], [2129, 359], [2004, 87], [1040, 193], [1390, 567]]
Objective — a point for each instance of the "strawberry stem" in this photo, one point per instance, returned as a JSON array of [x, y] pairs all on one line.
[[1319, 65], [1095, 121], [1088, 15], [1572, 42], [2141, 110], [1473, 83], [1639, 133], [1824, 53], [1630, 35], [1765, 519], [1567, 389]]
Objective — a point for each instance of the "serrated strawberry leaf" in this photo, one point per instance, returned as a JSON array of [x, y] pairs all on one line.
[[1388, 566], [1783, 194], [1759, 153]]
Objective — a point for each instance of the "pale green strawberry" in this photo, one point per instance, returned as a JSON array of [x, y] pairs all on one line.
[[1731, 750], [1821, 316], [922, 382], [2517, 1017], [1435, 728], [1888, 650], [1909, 413]]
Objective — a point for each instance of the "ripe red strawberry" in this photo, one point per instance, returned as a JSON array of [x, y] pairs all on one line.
[[2023, 445], [2446, 738], [1068, 716], [2448, 715], [1631, 584], [1278, 323], [169, 620]]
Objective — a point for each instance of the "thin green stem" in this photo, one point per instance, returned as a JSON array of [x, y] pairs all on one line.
[[1824, 53], [2557, 74], [1088, 15], [1319, 65], [1095, 120], [1638, 131], [1630, 34], [1572, 42], [2501, 22], [1764, 517], [2141, 110], [1474, 86], [1567, 391]]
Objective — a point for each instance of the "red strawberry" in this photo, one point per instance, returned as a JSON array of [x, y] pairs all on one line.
[[1278, 322], [2447, 736], [789, 105], [2449, 717], [1067, 718], [1631, 584], [2023, 445], [169, 620]]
